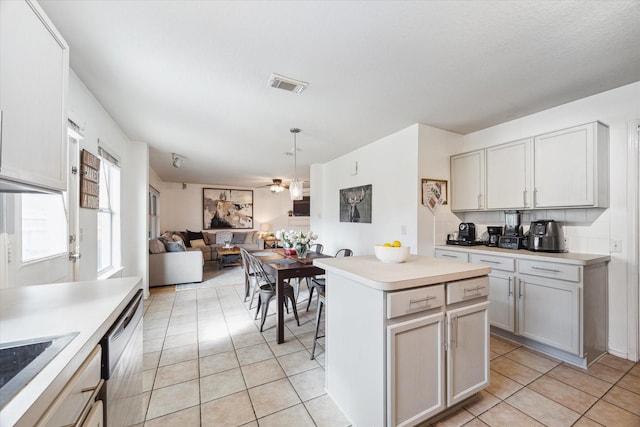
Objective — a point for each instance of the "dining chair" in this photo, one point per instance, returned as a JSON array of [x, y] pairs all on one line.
[[267, 286], [321, 303], [317, 248], [249, 274], [318, 283]]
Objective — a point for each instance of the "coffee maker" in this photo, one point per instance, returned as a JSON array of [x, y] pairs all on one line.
[[494, 235], [513, 237]]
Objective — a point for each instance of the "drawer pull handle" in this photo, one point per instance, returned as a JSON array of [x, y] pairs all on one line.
[[550, 270], [490, 262], [415, 301], [476, 289], [448, 256]]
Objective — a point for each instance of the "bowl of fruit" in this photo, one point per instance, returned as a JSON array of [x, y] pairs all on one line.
[[392, 252]]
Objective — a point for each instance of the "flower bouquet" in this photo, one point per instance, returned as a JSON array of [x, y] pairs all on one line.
[[296, 242]]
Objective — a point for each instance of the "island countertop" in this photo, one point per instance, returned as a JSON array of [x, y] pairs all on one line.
[[416, 271], [88, 308]]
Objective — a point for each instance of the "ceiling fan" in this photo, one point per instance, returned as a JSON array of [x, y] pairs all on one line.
[[277, 186]]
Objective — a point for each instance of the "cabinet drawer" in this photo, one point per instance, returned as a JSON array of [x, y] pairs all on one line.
[[72, 401], [414, 300], [452, 255], [464, 290], [496, 262], [550, 270]]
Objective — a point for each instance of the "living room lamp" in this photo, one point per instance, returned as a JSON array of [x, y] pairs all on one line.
[[295, 186]]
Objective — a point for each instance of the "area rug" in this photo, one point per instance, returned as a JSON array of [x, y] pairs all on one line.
[[212, 277]]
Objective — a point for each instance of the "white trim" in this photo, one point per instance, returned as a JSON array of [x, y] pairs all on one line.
[[633, 245]]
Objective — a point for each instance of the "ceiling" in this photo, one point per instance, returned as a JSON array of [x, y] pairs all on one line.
[[190, 77]]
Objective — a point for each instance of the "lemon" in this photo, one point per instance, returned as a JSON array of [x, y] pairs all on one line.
[[387, 245], [396, 244]]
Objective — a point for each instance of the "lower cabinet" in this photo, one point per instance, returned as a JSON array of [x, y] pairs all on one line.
[[415, 369]]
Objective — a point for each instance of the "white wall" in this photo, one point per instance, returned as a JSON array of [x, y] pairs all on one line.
[[587, 230], [96, 123], [181, 208]]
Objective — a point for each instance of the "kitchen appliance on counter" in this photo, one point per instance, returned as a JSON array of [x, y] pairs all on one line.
[[494, 233], [545, 235], [512, 237], [466, 235]]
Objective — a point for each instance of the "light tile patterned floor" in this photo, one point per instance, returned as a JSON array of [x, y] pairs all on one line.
[[207, 364]]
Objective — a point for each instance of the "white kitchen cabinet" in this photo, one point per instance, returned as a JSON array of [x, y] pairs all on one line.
[[415, 370], [467, 351], [571, 167], [510, 175], [34, 67], [468, 181], [549, 312], [547, 301]]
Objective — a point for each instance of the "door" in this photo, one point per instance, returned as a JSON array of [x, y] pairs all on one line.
[[468, 351], [564, 168], [415, 370], [509, 175], [467, 181], [501, 294], [549, 312]]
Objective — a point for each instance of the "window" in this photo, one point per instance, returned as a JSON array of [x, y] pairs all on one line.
[[154, 214], [108, 213], [44, 226]]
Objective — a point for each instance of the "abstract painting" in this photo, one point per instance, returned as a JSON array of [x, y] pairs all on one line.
[[225, 208]]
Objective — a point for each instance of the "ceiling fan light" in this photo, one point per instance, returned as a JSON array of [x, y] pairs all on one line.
[[295, 189], [276, 188]]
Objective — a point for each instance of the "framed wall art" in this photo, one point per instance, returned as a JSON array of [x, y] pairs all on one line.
[[355, 204], [434, 192], [227, 208]]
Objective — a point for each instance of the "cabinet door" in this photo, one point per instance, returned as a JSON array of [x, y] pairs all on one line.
[[33, 86], [502, 313], [564, 168], [509, 175], [467, 181], [468, 351], [415, 370], [549, 312]]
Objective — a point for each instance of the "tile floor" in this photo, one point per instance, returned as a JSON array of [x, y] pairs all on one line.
[[207, 364]]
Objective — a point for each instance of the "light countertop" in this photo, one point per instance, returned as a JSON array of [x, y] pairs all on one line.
[[416, 271], [89, 308], [574, 258]]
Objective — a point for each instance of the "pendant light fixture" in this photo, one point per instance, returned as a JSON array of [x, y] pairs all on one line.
[[295, 186]]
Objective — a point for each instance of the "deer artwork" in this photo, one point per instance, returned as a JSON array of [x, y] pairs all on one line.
[[353, 198]]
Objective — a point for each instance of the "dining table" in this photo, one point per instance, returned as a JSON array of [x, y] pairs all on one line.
[[283, 267]]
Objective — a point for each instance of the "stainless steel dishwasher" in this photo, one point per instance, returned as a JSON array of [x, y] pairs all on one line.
[[122, 367]]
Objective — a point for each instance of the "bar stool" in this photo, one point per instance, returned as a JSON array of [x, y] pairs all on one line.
[[321, 303]]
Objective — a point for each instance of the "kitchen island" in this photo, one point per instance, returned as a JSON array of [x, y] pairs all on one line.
[[31, 312], [404, 342]]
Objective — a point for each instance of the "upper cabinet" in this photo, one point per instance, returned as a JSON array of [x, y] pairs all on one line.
[[562, 169], [467, 181], [509, 175], [572, 167], [34, 69]]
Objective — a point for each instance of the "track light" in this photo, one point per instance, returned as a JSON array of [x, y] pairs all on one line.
[[175, 160]]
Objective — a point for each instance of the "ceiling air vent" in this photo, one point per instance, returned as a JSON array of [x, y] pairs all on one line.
[[286, 83]]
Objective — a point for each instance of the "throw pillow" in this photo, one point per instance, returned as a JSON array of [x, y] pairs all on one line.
[[174, 246], [249, 238], [156, 246], [198, 243], [223, 236], [238, 238], [194, 235]]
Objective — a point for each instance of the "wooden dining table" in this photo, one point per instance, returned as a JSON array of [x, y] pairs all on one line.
[[283, 267]]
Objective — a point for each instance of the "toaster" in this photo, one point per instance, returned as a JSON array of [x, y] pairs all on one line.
[[545, 235]]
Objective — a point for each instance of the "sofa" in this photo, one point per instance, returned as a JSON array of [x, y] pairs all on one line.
[[207, 242], [171, 264]]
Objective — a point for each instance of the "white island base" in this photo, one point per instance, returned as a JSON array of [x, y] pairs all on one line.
[[407, 341]]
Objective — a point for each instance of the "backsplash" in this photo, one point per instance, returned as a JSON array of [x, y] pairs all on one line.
[[585, 230]]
